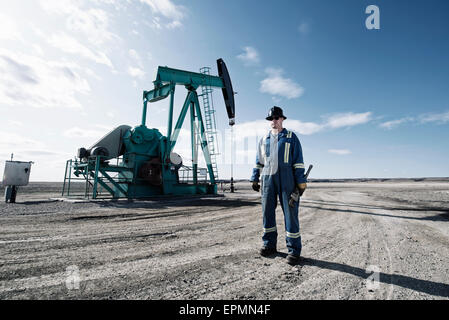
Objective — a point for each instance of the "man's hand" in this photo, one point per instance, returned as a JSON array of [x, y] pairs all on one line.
[[256, 186], [297, 193], [302, 187]]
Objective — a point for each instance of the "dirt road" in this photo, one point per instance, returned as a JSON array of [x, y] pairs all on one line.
[[383, 240]]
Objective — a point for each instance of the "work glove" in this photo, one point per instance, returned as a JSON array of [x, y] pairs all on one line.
[[294, 197], [256, 186], [302, 187]]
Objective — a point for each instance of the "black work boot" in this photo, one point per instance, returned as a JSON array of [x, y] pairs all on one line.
[[266, 252], [293, 259]]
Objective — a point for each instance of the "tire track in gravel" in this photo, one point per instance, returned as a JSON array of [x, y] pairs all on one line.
[[399, 276]]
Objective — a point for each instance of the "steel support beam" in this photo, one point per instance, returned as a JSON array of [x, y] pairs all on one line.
[[186, 78]]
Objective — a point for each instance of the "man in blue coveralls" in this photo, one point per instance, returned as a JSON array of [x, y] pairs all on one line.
[[280, 167]]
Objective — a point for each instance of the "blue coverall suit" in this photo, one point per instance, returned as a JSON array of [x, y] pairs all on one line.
[[279, 179]]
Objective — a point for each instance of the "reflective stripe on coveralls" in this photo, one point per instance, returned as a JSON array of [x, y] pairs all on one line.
[[266, 230], [293, 235], [286, 152]]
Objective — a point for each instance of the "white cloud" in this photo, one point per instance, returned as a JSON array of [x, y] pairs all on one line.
[[425, 118], [348, 119], [9, 29], [276, 84], [136, 72], [88, 32], [439, 118], [92, 23], [331, 122], [77, 132], [339, 151], [250, 56], [135, 57], [305, 128], [166, 8], [47, 84], [155, 23], [174, 24], [12, 142], [105, 128], [69, 44], [15, 123], [37, 50], [394, 123]]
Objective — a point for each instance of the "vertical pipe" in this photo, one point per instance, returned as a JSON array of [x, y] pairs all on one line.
[[70, 177], [170, 116], [193, 140], [97, 165], [65, 177], [163, 150], [232, 159], [144, 112], [86, 175]]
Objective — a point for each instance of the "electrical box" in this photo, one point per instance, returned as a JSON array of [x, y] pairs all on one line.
[[17, 173]]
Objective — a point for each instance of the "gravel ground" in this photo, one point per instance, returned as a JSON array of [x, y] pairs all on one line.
[[361, 240]]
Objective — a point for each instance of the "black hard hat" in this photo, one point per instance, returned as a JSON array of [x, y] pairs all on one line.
[[275, 112]]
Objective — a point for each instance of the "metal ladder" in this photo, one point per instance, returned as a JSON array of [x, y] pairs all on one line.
[[210, 122]]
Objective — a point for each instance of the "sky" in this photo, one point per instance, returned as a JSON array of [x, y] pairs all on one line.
[[364, 102]]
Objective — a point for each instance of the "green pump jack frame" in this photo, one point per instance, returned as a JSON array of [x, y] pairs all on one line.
[[164, 86]]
